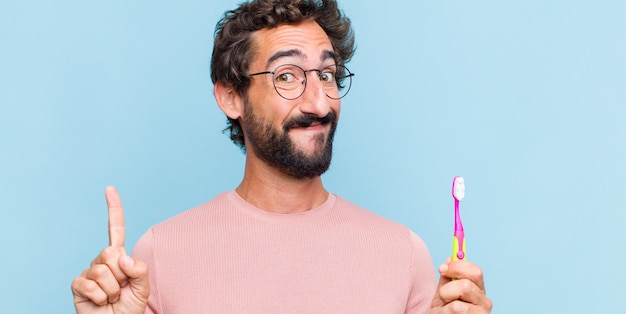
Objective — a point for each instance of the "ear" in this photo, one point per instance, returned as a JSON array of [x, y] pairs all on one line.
[[229, 101]]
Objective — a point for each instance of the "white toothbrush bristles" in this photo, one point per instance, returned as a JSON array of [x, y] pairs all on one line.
[[459, 188]]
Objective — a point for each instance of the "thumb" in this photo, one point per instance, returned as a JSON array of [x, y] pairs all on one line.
[[437, 299], [443, 269], [137, 272]]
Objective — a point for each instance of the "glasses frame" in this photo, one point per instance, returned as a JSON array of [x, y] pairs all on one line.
[[349, 76]]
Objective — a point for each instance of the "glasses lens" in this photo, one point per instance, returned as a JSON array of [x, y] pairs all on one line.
[[289, 81], [340, 83]]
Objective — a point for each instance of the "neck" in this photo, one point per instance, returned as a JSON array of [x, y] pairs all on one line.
[[269, 189]]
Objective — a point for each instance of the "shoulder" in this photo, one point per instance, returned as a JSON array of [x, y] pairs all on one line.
[[193, 223], [354, 211], [376, 222], [186, 223], [398, 241], [200, 214]]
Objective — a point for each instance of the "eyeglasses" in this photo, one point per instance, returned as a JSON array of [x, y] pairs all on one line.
[[290, 80]]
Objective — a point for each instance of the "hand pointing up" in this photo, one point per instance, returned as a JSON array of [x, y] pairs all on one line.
[[115, 282]]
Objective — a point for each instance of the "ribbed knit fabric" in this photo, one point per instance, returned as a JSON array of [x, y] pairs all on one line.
[[227, 256]]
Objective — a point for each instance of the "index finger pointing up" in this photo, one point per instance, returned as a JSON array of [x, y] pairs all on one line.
[[117, 232]]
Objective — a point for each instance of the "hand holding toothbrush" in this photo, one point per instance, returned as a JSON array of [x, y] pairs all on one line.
[[464, 294], [461, 286]]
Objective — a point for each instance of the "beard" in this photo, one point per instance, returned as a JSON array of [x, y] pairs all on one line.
[[275, 147]]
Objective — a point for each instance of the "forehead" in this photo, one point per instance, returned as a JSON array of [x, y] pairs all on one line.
[[304, 42]]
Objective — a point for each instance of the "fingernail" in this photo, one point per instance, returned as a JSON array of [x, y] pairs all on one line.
[[443, 268], [126, 260]]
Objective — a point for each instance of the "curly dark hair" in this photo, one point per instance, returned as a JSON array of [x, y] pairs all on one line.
[[233, 53]]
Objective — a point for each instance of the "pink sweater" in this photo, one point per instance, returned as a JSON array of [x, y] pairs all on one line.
[[227, 256]]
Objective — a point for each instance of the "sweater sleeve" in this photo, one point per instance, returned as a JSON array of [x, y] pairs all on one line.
[[422, 278], [144, 251]]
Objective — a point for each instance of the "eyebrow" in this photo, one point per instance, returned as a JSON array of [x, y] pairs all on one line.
[[326, 54]]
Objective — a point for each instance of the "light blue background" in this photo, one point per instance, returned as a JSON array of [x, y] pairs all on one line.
[[525, 99]]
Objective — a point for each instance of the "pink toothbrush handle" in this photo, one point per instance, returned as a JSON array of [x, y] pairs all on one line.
[[458, 247]]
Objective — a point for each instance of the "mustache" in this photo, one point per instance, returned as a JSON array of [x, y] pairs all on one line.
[[307, 119]]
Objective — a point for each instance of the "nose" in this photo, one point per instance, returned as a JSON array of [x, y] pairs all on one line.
[[314, 99]]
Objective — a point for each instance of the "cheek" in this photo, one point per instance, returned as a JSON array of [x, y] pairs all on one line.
[[336, 107], [270, 110]]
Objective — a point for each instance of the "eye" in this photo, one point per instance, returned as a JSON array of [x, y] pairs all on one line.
[[327, 76], [284, 77], [288, 75]]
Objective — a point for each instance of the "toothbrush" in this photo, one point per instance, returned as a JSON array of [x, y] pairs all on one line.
[[458, 193]]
